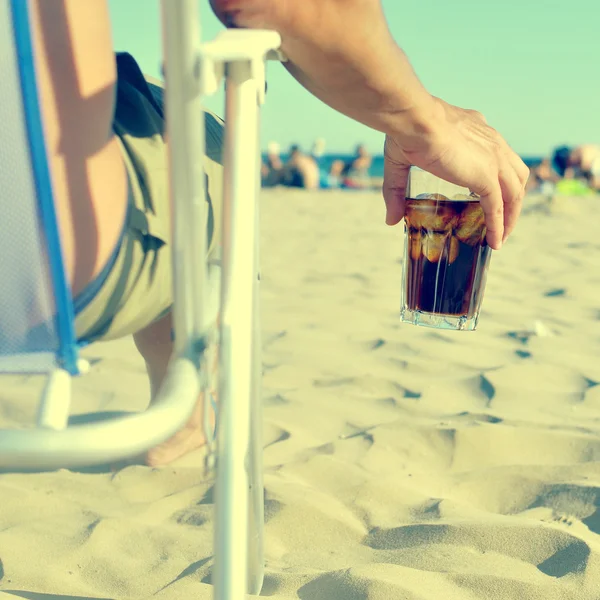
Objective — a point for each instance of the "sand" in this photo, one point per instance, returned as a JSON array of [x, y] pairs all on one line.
[[400, 462]]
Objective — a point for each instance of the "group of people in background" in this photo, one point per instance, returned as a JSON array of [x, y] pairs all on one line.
[[571, 170], [568, 170], [310, 171]]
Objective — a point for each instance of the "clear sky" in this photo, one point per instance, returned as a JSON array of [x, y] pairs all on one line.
[[531, 66]]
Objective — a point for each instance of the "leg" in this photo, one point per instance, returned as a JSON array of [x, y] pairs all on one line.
[[139, 287], [156, 346]]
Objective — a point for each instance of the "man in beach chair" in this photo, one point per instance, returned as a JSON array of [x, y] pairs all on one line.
[[108, 155]]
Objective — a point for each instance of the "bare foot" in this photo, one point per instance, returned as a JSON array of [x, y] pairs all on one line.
[[155, 344], [190, 438]]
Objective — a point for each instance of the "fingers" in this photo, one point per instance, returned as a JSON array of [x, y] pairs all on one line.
[[513, 182], [395, 179], [521, 169], [504, 199], [501, 204], [493, 209], [512, 197]]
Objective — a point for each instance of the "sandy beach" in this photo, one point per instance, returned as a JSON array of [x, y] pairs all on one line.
[[401, 463]]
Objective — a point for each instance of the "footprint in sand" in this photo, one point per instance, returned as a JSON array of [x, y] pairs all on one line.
[[272, 506], [193, 517], [554, 293], [275, 400], [272, 434], [487, 388], [572, 559], [593, 521], [376, 344], [476, 418], [195, 567], [538, 329], [270, 338], [555, 552]]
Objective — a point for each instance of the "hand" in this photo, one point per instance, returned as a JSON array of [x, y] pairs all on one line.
[[461, 148]]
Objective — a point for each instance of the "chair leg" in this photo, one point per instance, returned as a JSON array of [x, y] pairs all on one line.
[[239, 500], [185, 122], [255, 450], [55, 403], [238, 345]]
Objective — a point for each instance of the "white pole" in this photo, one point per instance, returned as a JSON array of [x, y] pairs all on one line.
[[185, 131], [237, 337], [257, 508]]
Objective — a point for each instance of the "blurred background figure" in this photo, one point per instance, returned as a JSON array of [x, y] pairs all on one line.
[[543, 178], [581, 162], [332, 179], [356, 171], [300, 170], [272, 166]]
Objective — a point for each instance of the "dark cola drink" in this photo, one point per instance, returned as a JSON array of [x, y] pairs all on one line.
[[446, 261]]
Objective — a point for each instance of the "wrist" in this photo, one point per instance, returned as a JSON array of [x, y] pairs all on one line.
[[416, 128]]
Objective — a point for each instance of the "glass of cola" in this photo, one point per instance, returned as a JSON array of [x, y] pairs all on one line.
[[446, 256]]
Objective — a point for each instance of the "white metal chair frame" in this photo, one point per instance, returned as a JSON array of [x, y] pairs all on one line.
[[194, 70]]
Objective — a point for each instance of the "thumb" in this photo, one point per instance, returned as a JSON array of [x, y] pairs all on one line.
[[395, 180]]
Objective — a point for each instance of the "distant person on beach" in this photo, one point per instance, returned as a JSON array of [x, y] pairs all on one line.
[[333, 178], [580, 162], [356, 171], [300, 170], [543, 178], [272, 168], [105, 138]]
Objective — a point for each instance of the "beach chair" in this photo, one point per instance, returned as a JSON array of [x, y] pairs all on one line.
[[214, 305]]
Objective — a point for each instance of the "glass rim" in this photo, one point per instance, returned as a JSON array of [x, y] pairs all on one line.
[[471, 199], [424, 183]]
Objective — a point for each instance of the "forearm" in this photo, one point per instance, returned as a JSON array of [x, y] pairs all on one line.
[[343, 52]]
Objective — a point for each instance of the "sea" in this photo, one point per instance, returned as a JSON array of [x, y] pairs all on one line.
[[376, 170]]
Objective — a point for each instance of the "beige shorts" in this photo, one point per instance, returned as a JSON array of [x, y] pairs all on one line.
[[136, 288]]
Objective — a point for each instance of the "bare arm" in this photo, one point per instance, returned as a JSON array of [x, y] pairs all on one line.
[[343, 52]]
